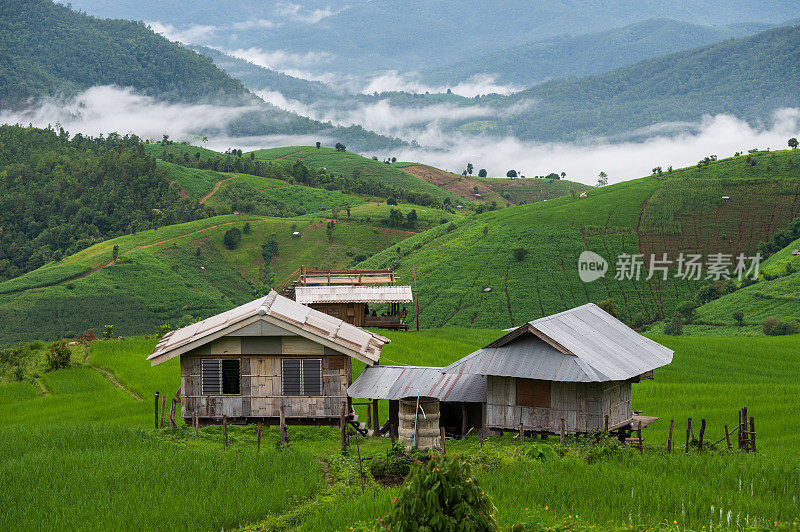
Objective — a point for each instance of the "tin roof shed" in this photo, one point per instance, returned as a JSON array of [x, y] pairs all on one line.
[[397, 382]]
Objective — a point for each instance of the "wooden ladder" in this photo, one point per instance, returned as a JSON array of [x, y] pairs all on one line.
[[361, 427]]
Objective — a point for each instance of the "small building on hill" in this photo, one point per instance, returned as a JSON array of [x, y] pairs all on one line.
[[247, 362], [577, 366], [352, 303]]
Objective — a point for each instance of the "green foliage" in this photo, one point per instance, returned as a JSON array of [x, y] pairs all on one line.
[[442, 495], [687, 311], [610, 306], [674, 326], [772, 326], [738, 317], [269, 250], [58, 356], [398, 466], [232, 238], [519, 254], [59, 195], [108, 332]]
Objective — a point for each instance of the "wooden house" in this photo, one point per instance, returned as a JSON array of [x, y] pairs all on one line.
[[352, 303], [577, 366], [247, 362]]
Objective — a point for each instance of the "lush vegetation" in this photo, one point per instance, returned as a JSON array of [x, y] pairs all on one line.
[[469, 276], [79, 430], [59, 195]]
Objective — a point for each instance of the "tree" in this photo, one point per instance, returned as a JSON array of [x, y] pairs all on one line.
[[114, 253], [469, 168], [482, 172], [610, 306], [246, 228], [319, 144], [394, 159], [602, 179], [58, 356], [520, 254], [687, 310], [395, 218], [738, 317], [674, 326], [329, 230], [232, 238], [793, 143], [563, 175], [269, 250], [511, 173], [391, 201], [475, 189], [340, 147], [411, 219]]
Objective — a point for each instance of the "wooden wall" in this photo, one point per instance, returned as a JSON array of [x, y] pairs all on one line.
[[260, 387], [352, 313], [582, 405]]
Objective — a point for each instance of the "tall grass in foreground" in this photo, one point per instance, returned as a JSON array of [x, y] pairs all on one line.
[[97, 477]]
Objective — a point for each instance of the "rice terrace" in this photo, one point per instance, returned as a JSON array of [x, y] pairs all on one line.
[[278, 266]]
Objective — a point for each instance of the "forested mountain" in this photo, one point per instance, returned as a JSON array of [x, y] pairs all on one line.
[[594, 53], [418, 34], [59, 195], [47, 48], [749, 77]]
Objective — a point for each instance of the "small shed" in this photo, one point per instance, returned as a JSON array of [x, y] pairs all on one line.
[[352, 303], [577, 365], [461, 396], [249, 361]]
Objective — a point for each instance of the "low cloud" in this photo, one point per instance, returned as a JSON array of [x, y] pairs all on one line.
[[395, 81], [194, 34], [298, 13], [287, 62], [720, 135], [105, 109]]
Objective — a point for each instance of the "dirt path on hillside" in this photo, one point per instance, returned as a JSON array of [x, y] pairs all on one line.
[[288, 155], [183, 236], [216, 187]]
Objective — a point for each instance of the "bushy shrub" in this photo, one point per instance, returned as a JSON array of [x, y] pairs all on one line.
[[520, 254], [441, 495], [674, 326], [269, 250], [398, 466], [738, 317], [772, 326], [232, 238], [58, 356], [610, 306], [108, 332], [687, 311]]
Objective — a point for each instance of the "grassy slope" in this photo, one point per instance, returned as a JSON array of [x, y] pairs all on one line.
[[346, 162], [158, 277], [682, 211], [85, 435]]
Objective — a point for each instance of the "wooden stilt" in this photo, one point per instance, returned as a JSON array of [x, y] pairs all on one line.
[[563, 430], [376, 425], [196, 417], [521, 434], [464, 420], [284, 433], [343, 425], [605, 424], [444, 445]]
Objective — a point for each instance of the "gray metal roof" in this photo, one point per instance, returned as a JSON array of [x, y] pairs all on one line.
[[396, 382], [283, 312], [353, 294], [584, 344]]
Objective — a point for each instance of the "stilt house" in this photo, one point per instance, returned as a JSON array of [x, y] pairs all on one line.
[[247, 362]]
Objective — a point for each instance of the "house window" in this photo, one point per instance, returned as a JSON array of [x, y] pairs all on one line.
[[221, 376], [533, 393], [302, 376]]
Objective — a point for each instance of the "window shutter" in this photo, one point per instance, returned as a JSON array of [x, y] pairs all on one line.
[[291, 376], [231, 376], [211, 376], [533, 393], [312, 376]]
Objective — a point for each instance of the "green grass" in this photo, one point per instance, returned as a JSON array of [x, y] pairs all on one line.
[[91, 459], [345, 163], [194, 181], [160, 278]]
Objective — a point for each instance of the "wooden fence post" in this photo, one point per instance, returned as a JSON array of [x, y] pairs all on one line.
[[156, 409], [258, 448], [196, 417], [481, 433], [563, 430], [702, 432], [376, 425], [284, 433], [521, 434], [727, 436], [639, 437], [225, 428], [752, 434], [163, 406], [745, 435], [444, 446], [172, 413], [669, 441], [392, 433], [343, 425]]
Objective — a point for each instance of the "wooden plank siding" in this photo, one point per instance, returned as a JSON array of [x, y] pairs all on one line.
[[261, 384], [582, 405]]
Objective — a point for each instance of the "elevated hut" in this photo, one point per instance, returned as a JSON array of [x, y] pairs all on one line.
[[577, 366], [352, 303], [273, 352]]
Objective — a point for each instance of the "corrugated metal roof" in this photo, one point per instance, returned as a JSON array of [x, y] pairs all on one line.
[[584, 344], [309, 323], [353, 294], [396, 382]]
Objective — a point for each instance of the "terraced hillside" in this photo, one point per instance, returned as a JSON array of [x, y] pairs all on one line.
[[469, 275], [173, 275], [500, 190]]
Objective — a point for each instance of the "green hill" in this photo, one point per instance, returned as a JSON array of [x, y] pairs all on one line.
[[468, 274], [174, 274], [581, 55], [749, 77]]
